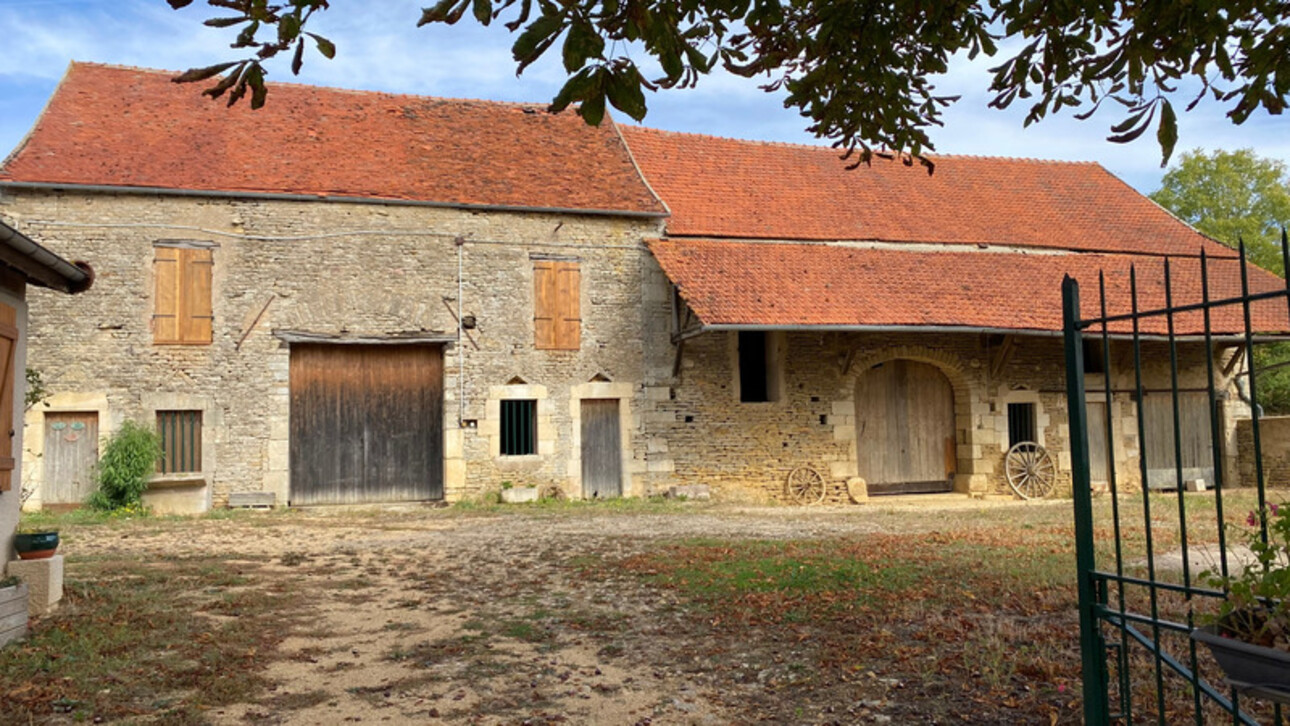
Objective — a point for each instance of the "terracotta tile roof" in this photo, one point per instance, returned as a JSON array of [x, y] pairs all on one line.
[[130, 127], [793, 284], [718, 187]]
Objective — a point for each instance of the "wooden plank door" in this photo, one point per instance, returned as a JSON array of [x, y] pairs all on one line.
[[602, 459], [366, 423], [71, 452], [8, 371], [905, 429], [1197, 446], [1099, 449]]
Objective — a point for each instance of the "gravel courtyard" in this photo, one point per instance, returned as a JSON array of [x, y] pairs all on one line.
[[620, 613]]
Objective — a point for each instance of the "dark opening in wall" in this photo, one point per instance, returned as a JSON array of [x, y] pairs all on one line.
[[758, 370], [1021, 423], [519, 428]]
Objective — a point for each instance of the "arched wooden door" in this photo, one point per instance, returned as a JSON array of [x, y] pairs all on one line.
[[905, 429]]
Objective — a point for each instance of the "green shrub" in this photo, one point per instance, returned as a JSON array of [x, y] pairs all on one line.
[[129, 458]]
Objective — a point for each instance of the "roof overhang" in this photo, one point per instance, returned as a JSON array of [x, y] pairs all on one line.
[[40, 266]]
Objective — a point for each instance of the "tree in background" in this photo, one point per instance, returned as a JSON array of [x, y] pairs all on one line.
[[1233, 196], [859, 70]]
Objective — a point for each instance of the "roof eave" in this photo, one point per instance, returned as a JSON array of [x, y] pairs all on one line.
[[40, 266], [961, 329], [277, 196]]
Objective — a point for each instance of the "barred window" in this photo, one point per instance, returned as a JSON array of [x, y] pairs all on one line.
[[181, 441], [519, 427], [1021, 423]]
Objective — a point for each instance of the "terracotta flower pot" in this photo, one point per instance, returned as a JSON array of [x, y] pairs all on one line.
[[36, 545]]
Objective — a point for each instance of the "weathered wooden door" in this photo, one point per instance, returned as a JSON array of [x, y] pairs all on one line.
[[602, 459], [366, 423], [8, 355], [71, 451], [1197, 446], [1099, 449], [905, 429]]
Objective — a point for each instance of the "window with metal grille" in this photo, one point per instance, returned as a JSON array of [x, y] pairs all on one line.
[[519, 428], [181, 441], [1021, 423]]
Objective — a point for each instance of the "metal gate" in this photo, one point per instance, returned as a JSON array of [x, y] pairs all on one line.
[[1142, 552]]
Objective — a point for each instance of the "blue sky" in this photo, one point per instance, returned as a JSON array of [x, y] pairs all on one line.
[[380, 48]]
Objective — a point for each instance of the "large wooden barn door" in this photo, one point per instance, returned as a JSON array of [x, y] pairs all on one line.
[[71, 451], [905, 429], [366, 423], [602, 458], [1197, 449]]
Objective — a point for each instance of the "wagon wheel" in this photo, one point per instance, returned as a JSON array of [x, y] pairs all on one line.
[[1030, 470], [804, 486]]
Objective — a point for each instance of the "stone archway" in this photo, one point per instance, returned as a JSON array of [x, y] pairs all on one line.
[[941, 410]]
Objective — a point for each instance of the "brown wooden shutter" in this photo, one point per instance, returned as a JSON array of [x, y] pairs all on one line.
[[195, 296], [165, 315], [544, 305], [182, 311], [8, 349], [568, 334]]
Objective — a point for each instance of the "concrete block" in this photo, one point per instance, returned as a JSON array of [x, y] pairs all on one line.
[[844, 408], [698, 492], [44, 580], [656, 446], [13, 613], [658, 393], [844, 433], [1196, 485], [858, 489], [519, 495], [662, 465], [252, 500]]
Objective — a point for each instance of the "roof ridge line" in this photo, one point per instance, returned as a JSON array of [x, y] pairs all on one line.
[[823, 147], [542, 106]]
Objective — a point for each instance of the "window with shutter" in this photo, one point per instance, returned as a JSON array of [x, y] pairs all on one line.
[[182, 308], [557, 322]]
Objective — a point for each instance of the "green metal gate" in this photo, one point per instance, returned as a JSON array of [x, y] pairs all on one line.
[[1141, 552]]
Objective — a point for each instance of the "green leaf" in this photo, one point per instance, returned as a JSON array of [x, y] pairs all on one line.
[[624, 91], [259, 91], [201, 74], [581, 44], [298, 60], [224, 22], [483, 11], [592, 109], [326, 47], [1167, 134], [177, 4], [536, 38]]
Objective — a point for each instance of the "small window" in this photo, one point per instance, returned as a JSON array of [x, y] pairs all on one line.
[[557, 322], [758, 367], [519, 428], [1094, 357], [182, 302], [181, 441], [1021, 423]]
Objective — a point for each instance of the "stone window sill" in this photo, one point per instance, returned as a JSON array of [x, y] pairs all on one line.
[[177, 481]]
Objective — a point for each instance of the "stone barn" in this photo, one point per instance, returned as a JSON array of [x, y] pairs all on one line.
[[358, 297]]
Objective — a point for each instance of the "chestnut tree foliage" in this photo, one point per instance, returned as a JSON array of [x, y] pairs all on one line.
[[858, 70]]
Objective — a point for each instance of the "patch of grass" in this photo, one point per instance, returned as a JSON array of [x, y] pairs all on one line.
[[124, 645]]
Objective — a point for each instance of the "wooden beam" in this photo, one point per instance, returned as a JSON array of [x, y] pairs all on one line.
[[1235, 360], [1003, 355]]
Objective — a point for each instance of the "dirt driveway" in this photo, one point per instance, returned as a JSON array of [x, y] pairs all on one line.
[[574, 614]]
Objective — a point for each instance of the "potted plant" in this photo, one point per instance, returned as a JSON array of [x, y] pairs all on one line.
[[35, 543], [1250, 635]]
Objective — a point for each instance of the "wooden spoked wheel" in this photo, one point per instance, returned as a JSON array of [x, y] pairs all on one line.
[[1030, 470], [804, 486]]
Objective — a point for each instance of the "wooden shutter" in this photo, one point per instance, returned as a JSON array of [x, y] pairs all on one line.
[[544, 305], [568, 324], [8, 349], [182, 312], [165, 314], [195, 296]]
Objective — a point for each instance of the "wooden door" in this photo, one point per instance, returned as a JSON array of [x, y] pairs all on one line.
[[602, 458], [366, 423], [71, 452], [1197, 446], [905, 429], [8, 371], [1099, 449]]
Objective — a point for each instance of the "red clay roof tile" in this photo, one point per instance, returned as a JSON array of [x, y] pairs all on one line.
[[787, 284], [717, 187], [128, 127]]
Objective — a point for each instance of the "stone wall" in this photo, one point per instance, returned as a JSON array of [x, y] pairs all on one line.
[[1274, 443], [340, 268]]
